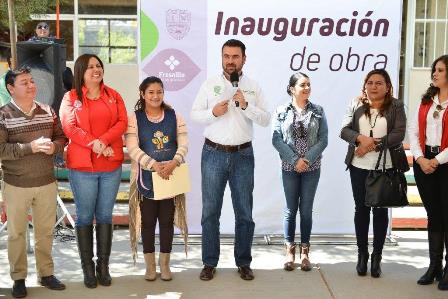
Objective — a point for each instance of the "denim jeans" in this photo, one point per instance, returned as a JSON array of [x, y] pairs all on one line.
[[94, 194], [362, 214], [218, 168], [299, 189]]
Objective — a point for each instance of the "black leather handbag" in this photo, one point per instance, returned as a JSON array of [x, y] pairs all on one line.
[[386, 188], [398, 157]]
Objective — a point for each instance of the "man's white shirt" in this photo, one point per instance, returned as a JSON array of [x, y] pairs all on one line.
[[236, 125]]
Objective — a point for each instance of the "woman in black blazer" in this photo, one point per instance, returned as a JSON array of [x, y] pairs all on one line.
[[373, 120]]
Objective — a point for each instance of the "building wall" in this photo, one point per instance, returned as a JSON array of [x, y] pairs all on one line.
[[419, 80], [123, 78]]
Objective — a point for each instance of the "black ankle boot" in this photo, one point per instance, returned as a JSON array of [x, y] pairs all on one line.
[[361, 266], [375, 267], [103, 248], [84, 236], [443, 283], [435, 242]]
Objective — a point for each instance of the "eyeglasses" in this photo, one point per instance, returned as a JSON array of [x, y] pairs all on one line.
[[436, 113], [45, 27]]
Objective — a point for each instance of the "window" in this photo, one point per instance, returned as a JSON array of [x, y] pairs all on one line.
[[113, 40], [110, 7], [431, 30]]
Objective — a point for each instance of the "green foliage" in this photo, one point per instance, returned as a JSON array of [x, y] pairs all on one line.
[[23, 10]]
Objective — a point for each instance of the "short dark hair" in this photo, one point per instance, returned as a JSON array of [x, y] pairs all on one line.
[[235, 43], [11, 75], [293, 80]]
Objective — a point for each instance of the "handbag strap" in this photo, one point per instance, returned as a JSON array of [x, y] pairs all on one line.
[[379, 159], [385, 148], [383, 151]]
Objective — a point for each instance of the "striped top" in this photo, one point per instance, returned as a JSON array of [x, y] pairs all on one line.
[[21, 167]]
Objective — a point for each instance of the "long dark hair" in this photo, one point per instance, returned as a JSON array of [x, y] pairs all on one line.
[[294, 79], [141, 104], [387, 98], [432, 90], [81, 65]]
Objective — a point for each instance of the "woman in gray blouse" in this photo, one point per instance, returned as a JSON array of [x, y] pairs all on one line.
[[300, 135]]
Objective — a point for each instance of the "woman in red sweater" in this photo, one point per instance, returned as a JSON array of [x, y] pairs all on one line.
[[94, 119]]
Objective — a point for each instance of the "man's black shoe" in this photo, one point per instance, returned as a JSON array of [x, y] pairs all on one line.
[[246, 272], [19, 289], [52, 283], [207, 273]]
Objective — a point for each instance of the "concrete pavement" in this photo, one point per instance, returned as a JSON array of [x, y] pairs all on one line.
[[333, 275]]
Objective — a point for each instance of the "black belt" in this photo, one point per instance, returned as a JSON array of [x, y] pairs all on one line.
[[227, 148], [432, 149]]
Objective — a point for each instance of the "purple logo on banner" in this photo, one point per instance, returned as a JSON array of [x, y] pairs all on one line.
[[173, 67], [178, 22]]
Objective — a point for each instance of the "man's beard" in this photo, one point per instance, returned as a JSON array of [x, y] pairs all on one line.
[[230, 68]]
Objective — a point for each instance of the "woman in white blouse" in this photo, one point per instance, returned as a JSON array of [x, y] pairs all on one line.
[[428, 135], [373, 121]]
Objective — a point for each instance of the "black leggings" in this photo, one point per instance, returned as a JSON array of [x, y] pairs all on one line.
[[163, 210], [362, 214], [433, 189]]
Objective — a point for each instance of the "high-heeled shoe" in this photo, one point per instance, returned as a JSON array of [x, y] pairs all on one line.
[[361, 266], [375, 267]]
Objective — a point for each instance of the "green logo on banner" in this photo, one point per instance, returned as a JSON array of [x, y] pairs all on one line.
[[149, 35]]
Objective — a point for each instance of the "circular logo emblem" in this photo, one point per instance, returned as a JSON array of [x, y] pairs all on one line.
[[77, 104]]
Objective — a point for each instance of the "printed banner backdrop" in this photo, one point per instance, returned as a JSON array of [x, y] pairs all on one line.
[[336, 45]]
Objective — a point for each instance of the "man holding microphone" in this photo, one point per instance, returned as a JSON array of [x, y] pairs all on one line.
[[227, 155]]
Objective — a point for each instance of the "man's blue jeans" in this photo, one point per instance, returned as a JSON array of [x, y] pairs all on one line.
[[94, 194], [217, 168], [299, 189]]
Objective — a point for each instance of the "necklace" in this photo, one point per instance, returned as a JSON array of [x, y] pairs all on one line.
[[374, 124], [439, 108], [155, 119]]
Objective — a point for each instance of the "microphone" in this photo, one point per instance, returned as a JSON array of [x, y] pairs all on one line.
[[234, 78]]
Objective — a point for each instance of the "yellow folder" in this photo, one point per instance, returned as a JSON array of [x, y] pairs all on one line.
[[178, 183]]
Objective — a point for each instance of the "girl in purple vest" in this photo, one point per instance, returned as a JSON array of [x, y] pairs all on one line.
[[428, 136], [157, 141]]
